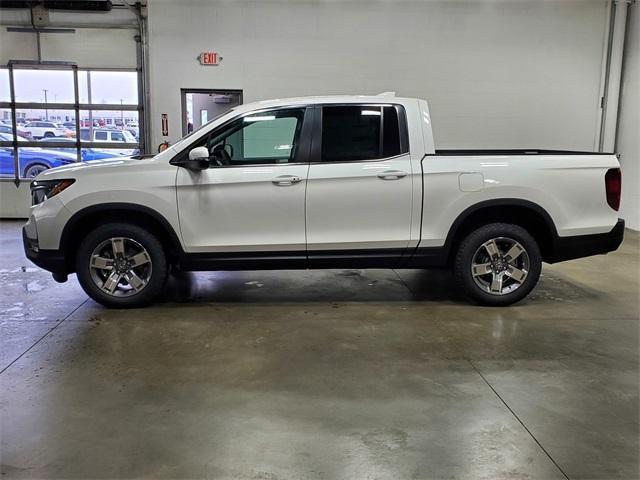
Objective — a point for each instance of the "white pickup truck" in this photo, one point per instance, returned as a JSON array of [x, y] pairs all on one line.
[[322, 182]]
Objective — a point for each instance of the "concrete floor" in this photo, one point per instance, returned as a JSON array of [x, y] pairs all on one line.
[[329, 374]]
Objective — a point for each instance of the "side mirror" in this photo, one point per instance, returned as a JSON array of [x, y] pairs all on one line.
[[198, 159]]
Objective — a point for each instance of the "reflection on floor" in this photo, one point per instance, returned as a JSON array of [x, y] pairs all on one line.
[[326, 374]]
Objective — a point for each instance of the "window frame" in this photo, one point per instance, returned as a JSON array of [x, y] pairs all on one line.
[[304, 139], [316, 154]]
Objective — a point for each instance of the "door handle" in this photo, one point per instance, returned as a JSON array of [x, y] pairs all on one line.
[[286, 180], [392, 175]]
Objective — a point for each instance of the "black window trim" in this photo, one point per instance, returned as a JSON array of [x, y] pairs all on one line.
[[304, 140], [316, 149]]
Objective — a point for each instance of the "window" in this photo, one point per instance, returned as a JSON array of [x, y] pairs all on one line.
[[117, 137], [45, 107], [265, 137], [360, 132]]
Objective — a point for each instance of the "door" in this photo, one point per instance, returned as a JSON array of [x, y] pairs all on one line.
[[359, 193], [202, 105], [250, 201]]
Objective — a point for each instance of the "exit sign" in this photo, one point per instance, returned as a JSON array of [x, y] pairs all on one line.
[[209, 58]]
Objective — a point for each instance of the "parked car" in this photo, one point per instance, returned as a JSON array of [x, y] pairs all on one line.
[[41, 129], [323, 182], [32, 160], [87, 153], [4, 128], [104, 135]]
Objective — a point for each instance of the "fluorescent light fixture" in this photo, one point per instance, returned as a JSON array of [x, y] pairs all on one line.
[[370, 112], [258, 119], [282, 147]]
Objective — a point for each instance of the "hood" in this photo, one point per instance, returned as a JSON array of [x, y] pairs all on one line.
[[80, 169]]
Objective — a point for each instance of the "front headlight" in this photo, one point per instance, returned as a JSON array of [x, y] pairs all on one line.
[[41, 190]]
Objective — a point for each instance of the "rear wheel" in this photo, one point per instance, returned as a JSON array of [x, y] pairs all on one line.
[[498, 264], [121, 265], [49, 134]]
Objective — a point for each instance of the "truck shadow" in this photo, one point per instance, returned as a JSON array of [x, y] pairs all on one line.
[[326, 286], [312, 286]]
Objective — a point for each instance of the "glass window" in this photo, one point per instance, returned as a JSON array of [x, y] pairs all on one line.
[[120, 120], [117, 137], [52, 131], [100, 87], [44, 86], [7, 168], [5, 95], [390, 133], [266, 137], [38, 123], [359, 133]]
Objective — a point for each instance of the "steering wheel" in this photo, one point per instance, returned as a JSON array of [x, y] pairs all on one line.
[[220, 156]]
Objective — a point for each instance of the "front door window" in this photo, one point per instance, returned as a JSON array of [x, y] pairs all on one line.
[[255, 139]]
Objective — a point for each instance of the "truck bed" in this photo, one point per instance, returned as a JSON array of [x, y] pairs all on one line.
[[529, 151]]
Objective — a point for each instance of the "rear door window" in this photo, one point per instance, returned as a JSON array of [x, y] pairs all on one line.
[[360, 132]]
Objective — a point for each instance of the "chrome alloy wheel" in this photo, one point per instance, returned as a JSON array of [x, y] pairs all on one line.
[[500, 266], [120, 267]]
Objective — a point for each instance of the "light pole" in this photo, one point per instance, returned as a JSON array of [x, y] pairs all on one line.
[[121, 115], [46, 110]]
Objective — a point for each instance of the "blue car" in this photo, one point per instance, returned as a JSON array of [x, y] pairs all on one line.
[[32, 161], [87, 153], [36, 160]]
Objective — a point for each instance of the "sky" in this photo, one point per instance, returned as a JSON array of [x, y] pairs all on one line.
[[106, 87]]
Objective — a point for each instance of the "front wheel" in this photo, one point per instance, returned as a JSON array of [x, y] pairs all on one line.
[[121, 265], [498, 264], [33, 170]]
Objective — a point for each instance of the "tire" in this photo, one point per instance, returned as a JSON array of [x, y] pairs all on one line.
[[498, 264], [34, 169], [135, 279], [49, 134]]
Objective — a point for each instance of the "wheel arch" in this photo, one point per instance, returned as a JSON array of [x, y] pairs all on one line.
[[528, 215], [91, 217]]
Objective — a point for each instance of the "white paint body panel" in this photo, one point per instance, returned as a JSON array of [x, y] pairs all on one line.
[[349, 207], [569, 187], [339, 206], [240, 209]]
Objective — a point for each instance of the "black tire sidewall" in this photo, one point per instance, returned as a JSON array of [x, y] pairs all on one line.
[[140, 235], [470, 245]]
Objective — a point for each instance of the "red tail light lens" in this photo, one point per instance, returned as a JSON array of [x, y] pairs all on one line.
[[613, 184]]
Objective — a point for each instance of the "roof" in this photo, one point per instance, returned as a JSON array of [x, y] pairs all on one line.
[[381, 98]]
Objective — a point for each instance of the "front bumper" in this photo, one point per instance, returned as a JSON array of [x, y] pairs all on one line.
[[569, 248], [50, 260]]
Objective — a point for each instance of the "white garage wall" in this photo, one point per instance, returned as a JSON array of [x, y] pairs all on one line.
[[510, 73], [628, 144]]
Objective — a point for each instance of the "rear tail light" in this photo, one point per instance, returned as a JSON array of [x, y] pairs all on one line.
[[613, 184]]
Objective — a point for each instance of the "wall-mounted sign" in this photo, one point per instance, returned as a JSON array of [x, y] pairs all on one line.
[[165, 125], [209, 58]]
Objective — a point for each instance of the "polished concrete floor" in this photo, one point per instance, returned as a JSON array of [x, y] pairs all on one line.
[[374, 374]]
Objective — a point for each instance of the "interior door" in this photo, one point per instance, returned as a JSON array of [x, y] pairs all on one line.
[[251, 199], [359, 193]]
